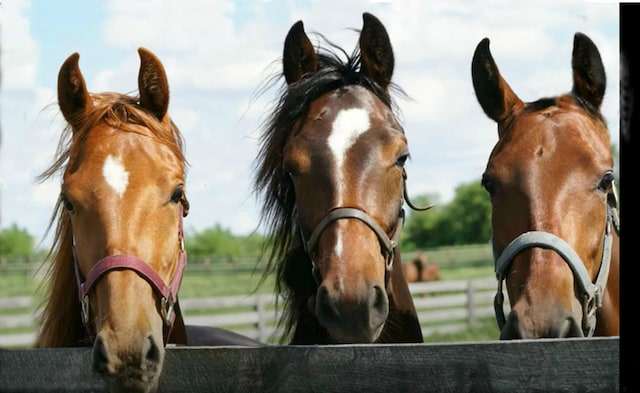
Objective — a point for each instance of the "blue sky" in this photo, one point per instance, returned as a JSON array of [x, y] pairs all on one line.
[[53, 28], [217, 53]]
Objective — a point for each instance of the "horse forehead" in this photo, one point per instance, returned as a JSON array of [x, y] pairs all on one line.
[[115, 174], [121, 160], [547, 152], [347, 126], [552, 138], [347, 113]]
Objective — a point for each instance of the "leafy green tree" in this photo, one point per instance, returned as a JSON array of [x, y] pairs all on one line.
[[464, 220], [16, 243], [469, 214], [212, 242], [218, 242], [421, 227]]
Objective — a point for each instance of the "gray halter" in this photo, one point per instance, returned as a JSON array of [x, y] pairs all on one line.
[[388, 244], [590, 292]]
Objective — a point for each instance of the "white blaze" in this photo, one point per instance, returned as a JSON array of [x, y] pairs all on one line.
[[115, 174], [338, 251], [347, 127]]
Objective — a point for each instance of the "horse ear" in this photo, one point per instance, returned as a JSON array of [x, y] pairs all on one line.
[[152, 84], [376, 51], [73, 97], [589, 79], [298, 56], [493, 93]]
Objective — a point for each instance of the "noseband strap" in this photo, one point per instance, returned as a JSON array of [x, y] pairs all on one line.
[[591, 293], [388, 244], [346, 212], [168, 293]]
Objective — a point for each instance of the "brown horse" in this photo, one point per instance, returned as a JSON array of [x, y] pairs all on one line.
[[554, 205], [419, 270], [118, 256], [331, 173]]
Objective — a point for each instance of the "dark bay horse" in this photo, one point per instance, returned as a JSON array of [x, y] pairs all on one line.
[[331, 175], [118, 253], [554, 203]]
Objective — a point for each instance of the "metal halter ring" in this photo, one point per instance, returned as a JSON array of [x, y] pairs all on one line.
[[166, 309], [85, 309]]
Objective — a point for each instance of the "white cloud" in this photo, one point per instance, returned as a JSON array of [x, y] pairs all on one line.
[[217, 53], [18, 47]]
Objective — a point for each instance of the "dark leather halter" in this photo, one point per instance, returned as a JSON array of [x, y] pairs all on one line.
[[590, 293], [168, 293], [388, 244]]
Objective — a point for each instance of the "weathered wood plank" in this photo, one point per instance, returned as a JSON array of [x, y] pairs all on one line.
[[575, 365], [15, 302]]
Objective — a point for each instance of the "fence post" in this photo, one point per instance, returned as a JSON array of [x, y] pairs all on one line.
[[261, 325], [470, 303]]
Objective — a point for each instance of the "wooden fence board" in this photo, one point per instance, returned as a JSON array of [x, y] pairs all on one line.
[[574, 365], [17, 339], [15, 321], [435, 302], [15, 302]]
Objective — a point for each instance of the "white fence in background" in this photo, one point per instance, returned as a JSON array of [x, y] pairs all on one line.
[[443, 307]]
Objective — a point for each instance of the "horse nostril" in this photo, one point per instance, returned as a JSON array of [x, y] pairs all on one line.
[[325, 307], [379, 299], [379, 305], [570, 327], [153, 351], [99, 357]]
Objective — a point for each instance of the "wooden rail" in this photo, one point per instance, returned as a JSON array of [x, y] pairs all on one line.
[[571, 365], [443, 307]]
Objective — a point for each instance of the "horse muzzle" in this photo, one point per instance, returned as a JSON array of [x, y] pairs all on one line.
[[134, 367]]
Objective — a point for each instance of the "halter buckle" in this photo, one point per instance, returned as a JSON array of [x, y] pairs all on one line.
[[85, 309], [389, 256], [498, 302], [166, 309], [589, 307]]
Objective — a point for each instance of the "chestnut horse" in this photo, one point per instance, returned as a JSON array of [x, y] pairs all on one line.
[[554, 205], [419, 270], [118, 253], [330, 171]]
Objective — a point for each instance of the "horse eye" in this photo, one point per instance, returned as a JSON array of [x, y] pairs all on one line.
[[607, 181], [66, 203], [487, 184], [289, 170], [177, 195], [402, 159]]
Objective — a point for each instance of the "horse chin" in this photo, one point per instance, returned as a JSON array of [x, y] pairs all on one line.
[[347, 336], [516, 329], [351, 317], [350, 330], [361, 336]]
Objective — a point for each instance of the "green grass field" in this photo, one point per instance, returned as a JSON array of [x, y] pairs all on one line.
[[222, 279]]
